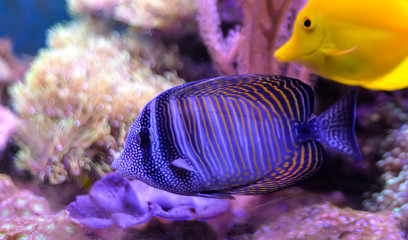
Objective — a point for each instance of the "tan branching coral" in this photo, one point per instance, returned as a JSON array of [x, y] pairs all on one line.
[[148, 14], [249, 48], [326, 221], [78, 100]]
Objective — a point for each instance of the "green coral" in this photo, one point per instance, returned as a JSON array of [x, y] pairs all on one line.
[[79, 98]]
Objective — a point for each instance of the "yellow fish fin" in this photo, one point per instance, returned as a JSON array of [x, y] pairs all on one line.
[[332, 53]]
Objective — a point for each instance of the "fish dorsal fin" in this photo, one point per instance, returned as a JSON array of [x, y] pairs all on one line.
[[307, 163], [365, 13], [293, 96]]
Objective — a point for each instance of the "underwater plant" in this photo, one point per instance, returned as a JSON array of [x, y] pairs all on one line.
[[78, 99]]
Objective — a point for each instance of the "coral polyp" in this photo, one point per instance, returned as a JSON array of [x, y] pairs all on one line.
[[159, 14], [24, 215], [77, 101], [325, 221]]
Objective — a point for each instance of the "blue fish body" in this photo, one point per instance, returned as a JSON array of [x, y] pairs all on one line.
[[241, 134]]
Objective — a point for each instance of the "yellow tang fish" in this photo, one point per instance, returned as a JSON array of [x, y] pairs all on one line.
[[363, 42]]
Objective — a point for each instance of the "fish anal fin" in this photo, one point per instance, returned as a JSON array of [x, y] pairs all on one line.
[[308, 161]]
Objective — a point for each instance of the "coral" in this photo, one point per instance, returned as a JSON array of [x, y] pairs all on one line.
[[250, 48], [142, 50], [196, 230], [139, 13], [11, 67], [114, 199], [78, 100], [24, 215], [394, 165], [55, 226], [8, 124], [248, 213], [326, 221], [377, 114]]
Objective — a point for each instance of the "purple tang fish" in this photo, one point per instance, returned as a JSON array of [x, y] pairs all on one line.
[[242, 134]]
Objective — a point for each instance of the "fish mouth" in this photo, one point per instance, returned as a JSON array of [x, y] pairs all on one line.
[[288, 53], [116, 163], [315, 49]]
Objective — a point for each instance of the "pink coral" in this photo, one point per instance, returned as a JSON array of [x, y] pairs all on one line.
[[12, 68], [8, 124], [326, 221], [250, 48], [56, 226], [24, 215]]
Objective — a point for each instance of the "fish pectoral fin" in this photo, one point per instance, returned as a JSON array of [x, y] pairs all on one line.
[[331, 52], [182, 163]]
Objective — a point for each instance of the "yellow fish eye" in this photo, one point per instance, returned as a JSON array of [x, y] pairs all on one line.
[[308, 24]]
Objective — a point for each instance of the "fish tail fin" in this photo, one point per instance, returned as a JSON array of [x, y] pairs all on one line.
[[336, 126]]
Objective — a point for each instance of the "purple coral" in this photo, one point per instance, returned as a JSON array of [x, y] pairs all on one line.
[[114, 199]]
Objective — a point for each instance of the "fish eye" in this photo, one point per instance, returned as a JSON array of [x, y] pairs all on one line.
[[307, 23]]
